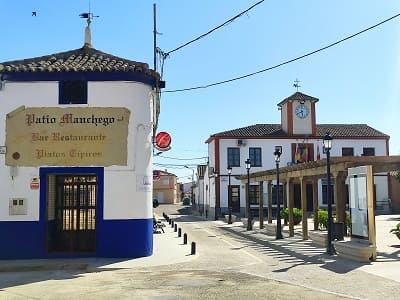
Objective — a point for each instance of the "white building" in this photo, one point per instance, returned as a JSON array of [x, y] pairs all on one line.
[[76, 162], [300, 139]]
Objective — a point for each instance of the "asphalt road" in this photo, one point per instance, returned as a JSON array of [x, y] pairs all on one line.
[[229, 264]]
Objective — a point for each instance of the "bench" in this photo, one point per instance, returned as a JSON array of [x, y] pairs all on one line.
[[158, 226]]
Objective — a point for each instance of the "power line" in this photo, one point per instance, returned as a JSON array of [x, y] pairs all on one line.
[[285, 62], [175, 158], [175, 166], [214, 29]]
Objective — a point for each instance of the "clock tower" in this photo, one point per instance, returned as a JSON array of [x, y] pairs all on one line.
[[298, 114]]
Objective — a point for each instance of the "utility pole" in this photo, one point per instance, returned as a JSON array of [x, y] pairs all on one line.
[[155, 37]]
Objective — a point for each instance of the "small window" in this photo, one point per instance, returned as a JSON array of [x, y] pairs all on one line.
[[73, 92], [234, 157], [254, 194], [368, 151], [347, 151], [255, 157]]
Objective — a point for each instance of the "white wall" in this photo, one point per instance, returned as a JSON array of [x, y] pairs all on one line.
[[125, 196], [268, 162]]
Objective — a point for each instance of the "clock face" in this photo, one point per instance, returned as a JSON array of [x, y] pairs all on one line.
[[302, 111]]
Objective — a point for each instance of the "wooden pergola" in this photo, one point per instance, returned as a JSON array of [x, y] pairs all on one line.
[[310, 172]]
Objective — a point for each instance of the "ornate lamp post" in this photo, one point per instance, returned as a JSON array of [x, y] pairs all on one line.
[[328, 146], [249, 216], [229, 195], [277, 154]]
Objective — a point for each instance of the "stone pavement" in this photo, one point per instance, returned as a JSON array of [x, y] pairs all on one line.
[[386, 265], [292, 258], [167, 249]]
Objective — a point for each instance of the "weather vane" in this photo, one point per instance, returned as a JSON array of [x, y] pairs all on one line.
[[88, 16], [296, 84]]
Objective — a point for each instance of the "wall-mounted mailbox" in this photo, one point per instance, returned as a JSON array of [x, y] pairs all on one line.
[[18, 206]]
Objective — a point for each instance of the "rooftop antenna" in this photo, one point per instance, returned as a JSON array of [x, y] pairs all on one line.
[[296, 84], [88, 35]]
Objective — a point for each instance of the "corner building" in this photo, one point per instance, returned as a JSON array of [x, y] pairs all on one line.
[[76, 165]]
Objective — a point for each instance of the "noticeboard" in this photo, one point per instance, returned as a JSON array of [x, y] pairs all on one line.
[[361, 203]]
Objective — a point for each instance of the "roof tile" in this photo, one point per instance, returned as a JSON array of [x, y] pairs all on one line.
[[273, 130], [85, 59]]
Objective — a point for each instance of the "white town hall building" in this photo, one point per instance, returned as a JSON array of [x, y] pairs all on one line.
[[300, 138]]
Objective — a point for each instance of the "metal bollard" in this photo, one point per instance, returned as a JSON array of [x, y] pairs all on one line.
[[172, 224], [193, 250], [185, 238], [179, 232], [175, 227]]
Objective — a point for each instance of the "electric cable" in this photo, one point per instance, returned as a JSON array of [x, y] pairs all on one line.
[[175, 158], [285, 62], [214, 29]]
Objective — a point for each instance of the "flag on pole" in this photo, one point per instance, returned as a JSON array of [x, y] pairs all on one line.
[[297, 156], [304, 156]]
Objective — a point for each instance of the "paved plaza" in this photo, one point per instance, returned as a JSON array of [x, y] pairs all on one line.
[[229, 261]]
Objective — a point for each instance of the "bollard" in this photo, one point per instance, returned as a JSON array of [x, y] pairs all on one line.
[[179, 232], [193, 250], [169, 221], [172, 224], [185, 238], [175, 227]]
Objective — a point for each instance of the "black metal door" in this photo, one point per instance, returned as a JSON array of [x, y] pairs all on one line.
[[235, 196], [73, 228]]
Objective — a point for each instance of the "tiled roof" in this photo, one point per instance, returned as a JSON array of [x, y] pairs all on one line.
[[85, 59], [257, 130], [349, 130], [298, 97], [274, 130]]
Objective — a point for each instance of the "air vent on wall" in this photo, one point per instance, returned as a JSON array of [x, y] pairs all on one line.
[[241, 142]]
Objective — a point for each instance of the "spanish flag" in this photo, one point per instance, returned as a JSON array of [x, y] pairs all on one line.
[[297, 155]]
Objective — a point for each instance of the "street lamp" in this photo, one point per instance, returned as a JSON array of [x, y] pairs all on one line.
[[193, 200], [229, 195], [277, 154], [327, 143], [249, 216]]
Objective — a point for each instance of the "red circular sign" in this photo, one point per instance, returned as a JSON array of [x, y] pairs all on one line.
[[34, 185], [163, 140]]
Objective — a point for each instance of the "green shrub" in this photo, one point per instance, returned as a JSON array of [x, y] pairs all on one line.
[[322, 219], [186, 201], [297, 215], [348, 223], [396, 229]]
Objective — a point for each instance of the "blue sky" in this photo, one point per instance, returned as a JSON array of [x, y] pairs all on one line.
[[356, 81]]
